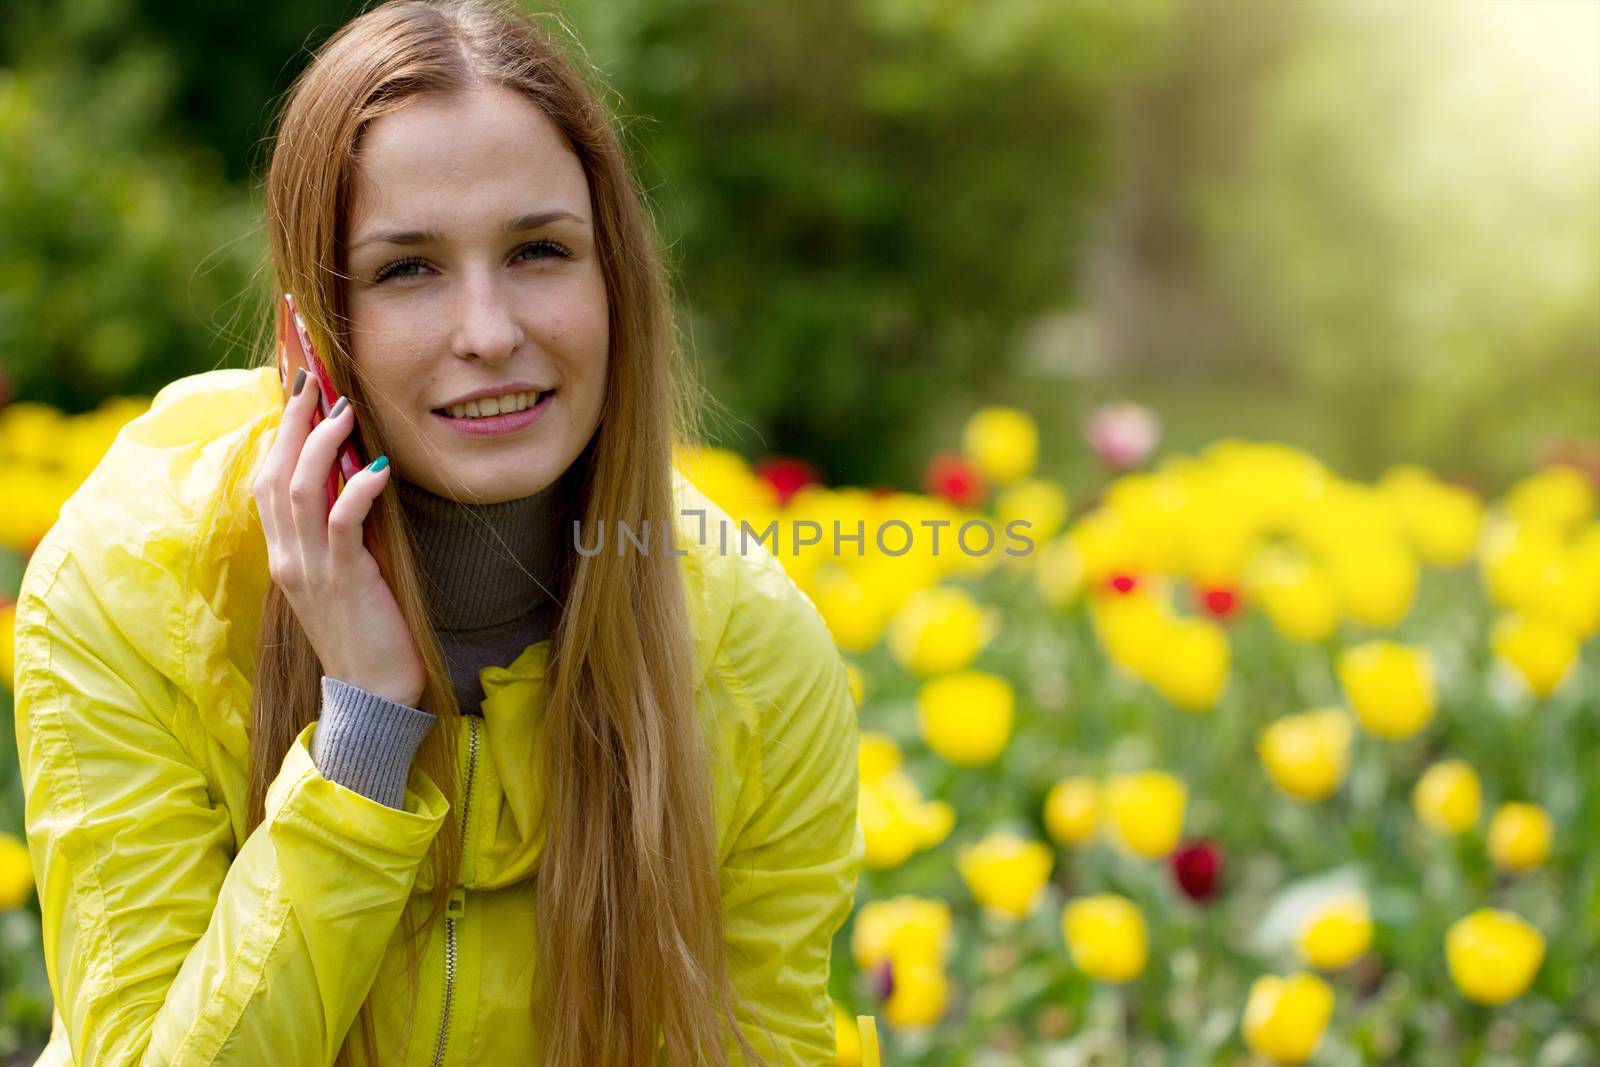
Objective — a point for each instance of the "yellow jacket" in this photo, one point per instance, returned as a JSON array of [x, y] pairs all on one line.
[[171, 936]]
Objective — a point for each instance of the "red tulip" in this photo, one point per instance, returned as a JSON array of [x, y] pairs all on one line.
[[1218, 601], [1196, 867], [950, 475], [786, 475], [1123, 583]]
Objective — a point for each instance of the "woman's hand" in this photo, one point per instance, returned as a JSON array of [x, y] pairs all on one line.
[[319, 560]]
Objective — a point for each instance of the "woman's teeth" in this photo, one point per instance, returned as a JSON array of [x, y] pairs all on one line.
[[494, 405]]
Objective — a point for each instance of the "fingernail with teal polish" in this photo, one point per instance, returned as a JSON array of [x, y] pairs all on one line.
[[378, 464], [299, 381]]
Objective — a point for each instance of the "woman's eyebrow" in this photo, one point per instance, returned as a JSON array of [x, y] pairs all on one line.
[[520, 224]]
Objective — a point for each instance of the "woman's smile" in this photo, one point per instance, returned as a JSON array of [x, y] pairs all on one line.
[[511, 413]]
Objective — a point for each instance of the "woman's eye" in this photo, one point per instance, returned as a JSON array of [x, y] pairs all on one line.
[[544, 246], [555, 248], [396, 267]]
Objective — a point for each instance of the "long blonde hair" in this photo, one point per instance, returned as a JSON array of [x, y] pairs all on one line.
[[628, 905]]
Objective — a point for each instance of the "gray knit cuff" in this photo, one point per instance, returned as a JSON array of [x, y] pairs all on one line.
[[365, 742]]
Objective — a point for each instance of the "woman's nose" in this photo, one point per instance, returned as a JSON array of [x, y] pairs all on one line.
[[486, 325]]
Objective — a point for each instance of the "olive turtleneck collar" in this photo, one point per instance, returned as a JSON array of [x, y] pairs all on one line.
[[490, 564]]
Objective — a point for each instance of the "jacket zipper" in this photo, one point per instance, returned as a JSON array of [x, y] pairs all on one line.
[[458, 899]]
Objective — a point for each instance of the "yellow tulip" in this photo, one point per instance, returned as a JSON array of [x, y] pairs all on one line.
[[1448, 796], [1145, 811], [896, 822], [1006, 873], [1518, 559], [1003, 442], [1573, 598], [966, 716], [1389, 686], [1059, 573], [30, 433], [858, 687], [939, 630], [902, 928], [1446, 530], [1540, 650], [1193, 667], [1441, 520], [1297, 594], [1337, 932], [8, 641], [1519, 836], [1492, 955], [16, 873], [851, 607], [1307, 755], [1106, 937], [1132, 628], [726, 478], [877, 755], [33, 499], [1576, 600], [1219, 538], [1040, 503], [1305, 610], [1535, 568], [1107, 542], [911, 935], [846, 1038], [1559, 494], [1285, 1017], [920, 993], [1377, 580], [1072, 810]]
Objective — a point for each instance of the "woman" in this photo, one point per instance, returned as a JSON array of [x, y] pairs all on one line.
[[414, 780]]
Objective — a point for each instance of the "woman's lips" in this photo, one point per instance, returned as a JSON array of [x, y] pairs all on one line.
[[497, 425]]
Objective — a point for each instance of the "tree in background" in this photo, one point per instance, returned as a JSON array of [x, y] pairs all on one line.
[[861, 199], [1371, 229]]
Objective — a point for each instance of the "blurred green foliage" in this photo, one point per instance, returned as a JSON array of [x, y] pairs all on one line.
[[864, 199], [1421, 232], [1369, 229], [861, 200], [1378, 228], [126, 247]]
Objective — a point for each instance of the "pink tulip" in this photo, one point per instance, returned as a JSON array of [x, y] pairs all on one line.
[[1123, 435]]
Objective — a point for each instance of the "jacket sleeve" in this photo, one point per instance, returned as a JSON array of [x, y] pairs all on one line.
[[789, 880], [162, 945]]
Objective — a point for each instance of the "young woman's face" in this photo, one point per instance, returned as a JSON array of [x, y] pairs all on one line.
[[473, 271]]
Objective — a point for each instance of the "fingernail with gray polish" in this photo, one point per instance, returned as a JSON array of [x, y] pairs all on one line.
[[299, 381], [338, 409]]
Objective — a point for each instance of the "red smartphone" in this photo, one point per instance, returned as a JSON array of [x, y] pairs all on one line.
[[295, 351]]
